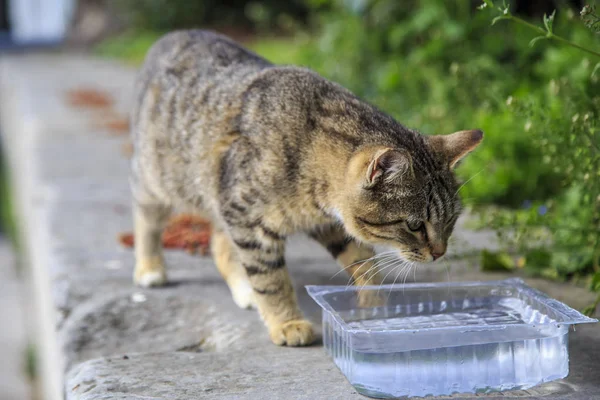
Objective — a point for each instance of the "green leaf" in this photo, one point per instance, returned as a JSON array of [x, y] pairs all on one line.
[[538, 259], [496, 261], [595, 283], [486, 3], [499, 18], [536, 39], [590, 310], [549, 20], [595, 70]]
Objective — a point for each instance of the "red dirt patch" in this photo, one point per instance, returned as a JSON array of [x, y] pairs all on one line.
[[117, 126], [188, 232], [89, 98]]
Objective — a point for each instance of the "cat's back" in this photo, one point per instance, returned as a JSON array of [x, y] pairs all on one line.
[[187, 94], [207, 50], [188, 62]]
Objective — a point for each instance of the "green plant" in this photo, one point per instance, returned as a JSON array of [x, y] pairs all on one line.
[[164, 15], [439, 67], [546, 32], [560, 237], [7, 217], [436, 67]]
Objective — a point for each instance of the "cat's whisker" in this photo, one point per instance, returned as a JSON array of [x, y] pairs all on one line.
[[398, 263], [447, 272], [383, 260], [401, 262], [386, 265], [375, 264], [415, 274], [408, 272], [405, 275], [469, 180], [359, 261], [375, 267], [447, 269], [394, 282], [390, 265]]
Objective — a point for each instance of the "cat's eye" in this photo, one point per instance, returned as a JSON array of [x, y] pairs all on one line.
[[414, 225]]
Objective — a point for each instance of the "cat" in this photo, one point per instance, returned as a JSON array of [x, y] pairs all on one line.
[[266, 151]]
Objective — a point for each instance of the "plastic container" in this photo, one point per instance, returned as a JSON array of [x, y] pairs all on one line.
[[446, 338]]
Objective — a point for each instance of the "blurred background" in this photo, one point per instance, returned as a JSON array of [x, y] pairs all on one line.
[[526, 73], [437, 66]]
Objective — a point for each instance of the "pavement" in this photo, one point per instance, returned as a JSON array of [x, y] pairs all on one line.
[[100, 337], [14, 383]]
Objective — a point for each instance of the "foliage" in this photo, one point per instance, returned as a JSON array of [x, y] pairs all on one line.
[[164, 15], [532, 85], [130, 46], [437, 67], [535, 92], [568, 134], [496, 261], [7, 219]]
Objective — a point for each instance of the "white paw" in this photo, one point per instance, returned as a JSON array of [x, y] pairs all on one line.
[[150, 278], [243, 294]]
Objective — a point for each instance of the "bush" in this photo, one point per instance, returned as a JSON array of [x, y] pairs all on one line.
[[440, 67], [563, 119], [166, 15]]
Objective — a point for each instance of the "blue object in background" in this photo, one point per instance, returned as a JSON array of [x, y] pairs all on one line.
[[27, 23]]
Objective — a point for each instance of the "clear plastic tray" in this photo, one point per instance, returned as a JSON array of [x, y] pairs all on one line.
[[446, 338]]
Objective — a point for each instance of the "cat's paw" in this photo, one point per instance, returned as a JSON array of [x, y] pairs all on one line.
[[243, 294], [292, 333], [149, 273]]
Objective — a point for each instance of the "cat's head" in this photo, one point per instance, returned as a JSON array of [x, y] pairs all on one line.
[[407, 198]]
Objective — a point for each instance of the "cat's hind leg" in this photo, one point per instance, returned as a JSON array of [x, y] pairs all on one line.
[[149, 221], [231, 270]]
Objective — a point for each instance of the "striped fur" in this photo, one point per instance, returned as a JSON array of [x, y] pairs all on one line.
[[265, 151]]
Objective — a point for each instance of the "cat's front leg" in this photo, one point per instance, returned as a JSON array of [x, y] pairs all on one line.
[[357, 259], [262, 256]]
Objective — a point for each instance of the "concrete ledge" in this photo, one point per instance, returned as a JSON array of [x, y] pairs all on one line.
[[103, 338]]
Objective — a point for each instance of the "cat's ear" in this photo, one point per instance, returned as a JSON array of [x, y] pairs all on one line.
[[454, 147], [388, 164]]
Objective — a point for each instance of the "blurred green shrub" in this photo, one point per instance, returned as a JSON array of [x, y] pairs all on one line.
[[437, 66], [165, 15], [440, 67], [560, 237]]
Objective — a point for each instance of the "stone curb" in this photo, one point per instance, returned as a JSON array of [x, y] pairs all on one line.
[[99, 336]]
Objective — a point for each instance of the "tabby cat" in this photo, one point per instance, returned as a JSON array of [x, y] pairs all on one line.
[[266, 151]]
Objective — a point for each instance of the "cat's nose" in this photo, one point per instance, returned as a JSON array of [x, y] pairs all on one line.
[[437, 249]]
